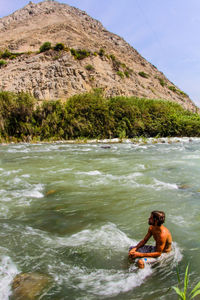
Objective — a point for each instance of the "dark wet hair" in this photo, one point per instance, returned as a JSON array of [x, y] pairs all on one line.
[[158, 216]]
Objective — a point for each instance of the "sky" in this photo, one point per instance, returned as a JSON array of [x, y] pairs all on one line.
[[166, 33]]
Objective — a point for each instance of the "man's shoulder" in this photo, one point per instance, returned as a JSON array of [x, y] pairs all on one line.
[[166, 232], [166, 229]]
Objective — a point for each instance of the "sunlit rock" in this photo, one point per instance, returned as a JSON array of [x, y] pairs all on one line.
[[29, 286]]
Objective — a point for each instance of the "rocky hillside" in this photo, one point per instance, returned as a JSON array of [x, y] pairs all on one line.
[[107, 62]]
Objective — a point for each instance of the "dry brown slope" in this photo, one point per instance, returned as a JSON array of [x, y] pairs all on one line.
[[48, 76]]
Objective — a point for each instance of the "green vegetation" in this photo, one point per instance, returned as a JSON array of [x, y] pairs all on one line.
[[89, 68], [126, 73], [101, 52], [143, 74], [183, 293], [172, 88], [59, 47], [16, 116], [162, 82], [2, 63], [90, 115], [80, 53], [45, 47], [120, 68], [6, 54], [9, 55], [120, 74], [175, 90]]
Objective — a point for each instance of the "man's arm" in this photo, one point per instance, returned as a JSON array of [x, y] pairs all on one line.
[[159, 249], [142, 242]]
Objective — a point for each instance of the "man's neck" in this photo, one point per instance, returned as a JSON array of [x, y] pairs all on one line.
[[158, 228]]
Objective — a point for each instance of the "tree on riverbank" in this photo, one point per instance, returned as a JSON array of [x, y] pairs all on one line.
[[90, 115]]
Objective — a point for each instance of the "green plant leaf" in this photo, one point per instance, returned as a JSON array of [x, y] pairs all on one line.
[[186, 280], [178, 274], [197, 286], [195, 294], [179, 292]]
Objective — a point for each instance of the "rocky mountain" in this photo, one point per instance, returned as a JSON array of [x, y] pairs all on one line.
[[92, 58]]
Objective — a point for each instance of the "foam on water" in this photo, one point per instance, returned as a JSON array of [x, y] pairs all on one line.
[[97, 282], [90, 173], [103, 282], [100, 282], [130, 180], [106, 236], [164, 185], [8, 271], [18, 193], [107, 179]]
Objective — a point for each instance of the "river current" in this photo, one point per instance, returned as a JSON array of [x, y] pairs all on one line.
[[71, 211]]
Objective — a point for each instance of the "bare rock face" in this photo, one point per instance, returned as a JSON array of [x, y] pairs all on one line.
[[52, 75]]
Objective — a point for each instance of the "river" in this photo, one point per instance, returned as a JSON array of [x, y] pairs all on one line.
[[71, 211]]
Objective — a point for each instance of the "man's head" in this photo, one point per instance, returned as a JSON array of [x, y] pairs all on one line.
[[157, 218]]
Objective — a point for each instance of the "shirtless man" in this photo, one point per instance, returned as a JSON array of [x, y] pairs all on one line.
[[161, 235]]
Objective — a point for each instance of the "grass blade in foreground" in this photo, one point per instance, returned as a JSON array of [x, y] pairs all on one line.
[[183, 294]]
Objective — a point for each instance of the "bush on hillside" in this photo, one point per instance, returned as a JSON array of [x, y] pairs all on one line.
[[45, 47], [143, 74], [101, 52], [2, 63], [80, 53], [59, 47], [6, 54], [89, 68]]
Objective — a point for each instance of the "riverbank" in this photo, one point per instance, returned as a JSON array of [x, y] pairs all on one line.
[[91, 116], [136, 141]]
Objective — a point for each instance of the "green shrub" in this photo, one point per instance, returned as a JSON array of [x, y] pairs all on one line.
[[175, 90], [9, 55], [50, 120], [120, 74], [59, 47], [123, 66], [90, 115], [89, 68], [6, 54], [45, 47], [126, 73], [143, 74], [16, 112], [2, 63], [79, 54], [172, 88], [182, 93], [101, 52], [112, 57], [162, 82]]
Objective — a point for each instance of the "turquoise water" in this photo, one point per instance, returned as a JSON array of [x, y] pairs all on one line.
[[71, 211]]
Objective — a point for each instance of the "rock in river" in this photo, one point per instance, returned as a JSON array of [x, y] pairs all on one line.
[[29, 286]]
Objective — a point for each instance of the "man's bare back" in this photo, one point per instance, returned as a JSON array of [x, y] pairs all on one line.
[[161, 235]]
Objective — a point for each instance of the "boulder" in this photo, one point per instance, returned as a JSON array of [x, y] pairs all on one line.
[[29, 286]]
